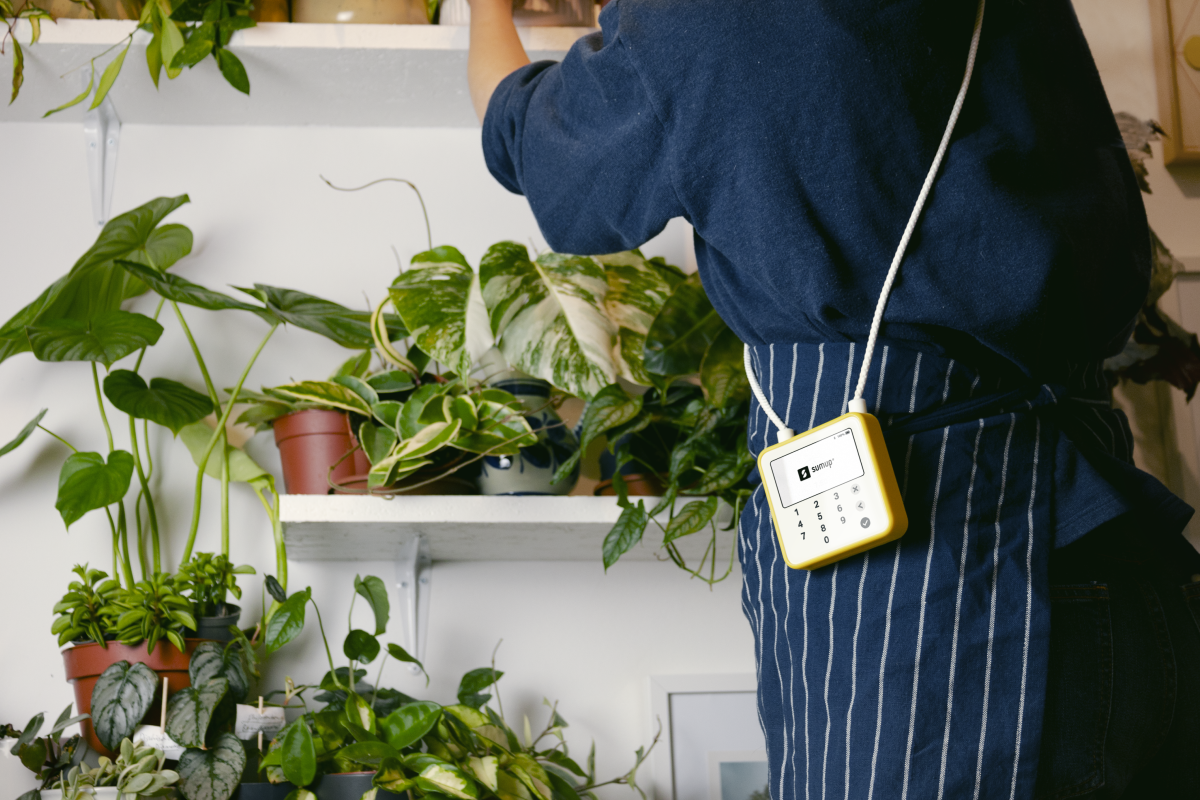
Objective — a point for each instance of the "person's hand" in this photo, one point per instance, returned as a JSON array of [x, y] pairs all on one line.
[[496, 50]]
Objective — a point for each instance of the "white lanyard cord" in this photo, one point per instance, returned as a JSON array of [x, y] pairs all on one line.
[[858, 404]]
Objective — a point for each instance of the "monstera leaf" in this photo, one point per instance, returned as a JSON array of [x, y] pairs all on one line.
[[212, 774], [547, 315], [120, 699], [164, 401], [637, 290], [441, 304], [95, 284]]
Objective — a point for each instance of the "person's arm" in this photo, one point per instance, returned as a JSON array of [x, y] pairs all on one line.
[[496, 50]]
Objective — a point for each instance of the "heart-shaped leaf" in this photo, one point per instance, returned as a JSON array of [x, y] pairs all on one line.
[[547, 316], [120, 698], [406, 725], [360, 646], [164, 401], [299, 754], [212, 774], [440, 302], [180, 290], [242, 468], [24, 434], [287, 621], [87, 482], [107, 338], [327, 394], [723, 372], [691, 518], [191, 710], [625, 534], [374, 591], [473, 683], [682, 332], [377, 441], [217, 660], [165, 245]]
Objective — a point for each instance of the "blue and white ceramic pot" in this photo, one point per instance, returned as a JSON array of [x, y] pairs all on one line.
[[530, 471]]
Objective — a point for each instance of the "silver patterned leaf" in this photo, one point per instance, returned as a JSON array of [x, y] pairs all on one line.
[[212, 774], [191, 711], [120, 699]]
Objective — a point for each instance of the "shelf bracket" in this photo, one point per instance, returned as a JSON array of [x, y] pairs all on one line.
[[101, 137], [414, 579]]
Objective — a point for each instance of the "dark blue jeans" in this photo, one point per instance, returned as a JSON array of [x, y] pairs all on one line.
[[1122, 716]]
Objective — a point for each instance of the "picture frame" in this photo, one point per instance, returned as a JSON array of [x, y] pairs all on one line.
[[1175, 26], [712, 745]]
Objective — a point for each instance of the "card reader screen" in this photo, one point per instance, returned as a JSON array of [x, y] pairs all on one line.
[[817, 467]]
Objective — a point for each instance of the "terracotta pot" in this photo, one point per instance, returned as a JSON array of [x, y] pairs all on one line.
[[310, 442], [86, 662], [106, 9], [393, 12], [271, 11], [639, 486]]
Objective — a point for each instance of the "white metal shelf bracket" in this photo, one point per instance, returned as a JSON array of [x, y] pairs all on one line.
[[101, 137], [414, 579]]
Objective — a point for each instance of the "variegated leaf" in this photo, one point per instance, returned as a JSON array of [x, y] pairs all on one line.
[[637, 291], [441, 304], [547, 315], [325, 394]]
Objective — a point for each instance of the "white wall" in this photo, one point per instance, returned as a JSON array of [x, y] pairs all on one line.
[[260, 213]]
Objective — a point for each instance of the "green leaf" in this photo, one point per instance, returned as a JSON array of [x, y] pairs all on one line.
[[65, 720], [164, 401], [120, 699], [370, 753], [391, 776], [154, 50], [263, 414], [274, 588], [24, 434], [722, 472], [396, 380], [637, 290], [18, 71], [683, 331], [79, 98], [692, 517], [428, 440], [474, 682], [109, 76], [358, 386], [172, 38], [164, 246], [191, 711], [547, 316], [400, 654], [441, 304], [406, 725], [179, 290], [212, 774], [299, 754], [242, 468], [33, 755], [30, 731], [197, 47], [216, 660], [360, 646], [626, 533], [86, 483], [233, 70], [374, 591], [356, 366], [288, 621], [376, 441], [326, 394], [348, 328], [109, 337], [723, 372], [94, 284], [434, 774], [612, 406]]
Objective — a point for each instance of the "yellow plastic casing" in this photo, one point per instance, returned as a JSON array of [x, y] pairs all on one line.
[[851, 506]]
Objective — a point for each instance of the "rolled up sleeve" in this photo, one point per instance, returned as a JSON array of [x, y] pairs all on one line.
[[582, 141]]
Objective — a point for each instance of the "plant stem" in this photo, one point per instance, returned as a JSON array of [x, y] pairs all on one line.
[[100, 402], [157, 311], [328, 654], [141, 540], [378, 680], [225, 491], [126, 563], [116, 544], [212, 392], [151, 514], [216, 437], [61, 439], [277, 532]]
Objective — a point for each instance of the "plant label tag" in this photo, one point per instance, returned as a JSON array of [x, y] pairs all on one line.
[[250, 722], [156, 737], [832, 492]]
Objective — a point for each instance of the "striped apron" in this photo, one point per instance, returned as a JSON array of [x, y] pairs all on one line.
[[918, 669]]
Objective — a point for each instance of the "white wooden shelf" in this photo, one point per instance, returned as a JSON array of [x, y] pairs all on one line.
[[342, 75], [471, 528]]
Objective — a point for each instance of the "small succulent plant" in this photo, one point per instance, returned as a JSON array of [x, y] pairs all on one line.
[[137, 772]]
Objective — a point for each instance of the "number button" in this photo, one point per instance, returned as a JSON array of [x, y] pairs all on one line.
[[843, 520]]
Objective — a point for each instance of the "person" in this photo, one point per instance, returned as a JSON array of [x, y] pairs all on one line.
[[1035, 633]]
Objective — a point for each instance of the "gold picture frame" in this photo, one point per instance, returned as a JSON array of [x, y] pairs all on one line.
[[1176, 30]]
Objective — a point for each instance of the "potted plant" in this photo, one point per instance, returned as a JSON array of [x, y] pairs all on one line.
[[137, 771], [79, 318], [46, 757]]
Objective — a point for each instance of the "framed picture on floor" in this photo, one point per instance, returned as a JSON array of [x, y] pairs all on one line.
[[712, 746]]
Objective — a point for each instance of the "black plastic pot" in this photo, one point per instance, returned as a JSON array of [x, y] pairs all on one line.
[[347, 786], [217, 628]]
